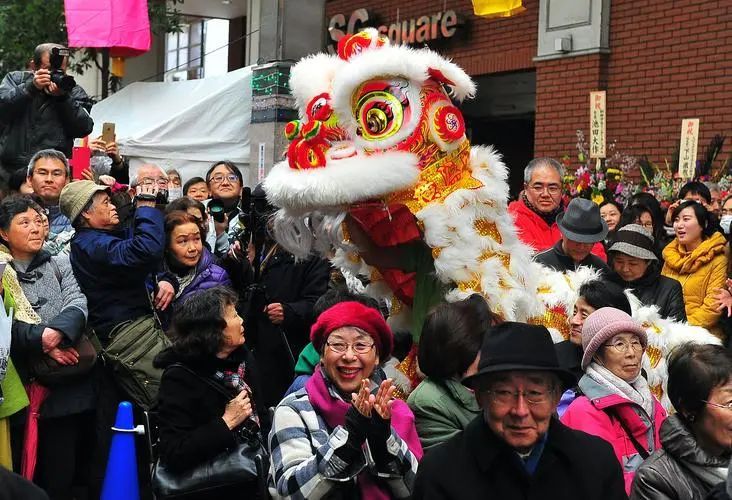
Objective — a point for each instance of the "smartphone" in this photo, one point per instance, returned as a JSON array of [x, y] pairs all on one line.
[[108, 134], [80, 160]]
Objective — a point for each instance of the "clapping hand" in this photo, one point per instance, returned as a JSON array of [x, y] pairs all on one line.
[[384, 399], [68, 356], [363, 400]]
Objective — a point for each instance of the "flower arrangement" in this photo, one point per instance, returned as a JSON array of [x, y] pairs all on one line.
[[599, 180]]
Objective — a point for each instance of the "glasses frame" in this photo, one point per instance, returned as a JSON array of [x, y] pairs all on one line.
[[725, 407], [232, 178], [351, 346], [553, 190], [626, 346], [515, 395], [162, 182]]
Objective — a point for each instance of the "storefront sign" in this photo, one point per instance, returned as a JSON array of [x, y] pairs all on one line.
[[597, 124], [688, 147], [437, 26]]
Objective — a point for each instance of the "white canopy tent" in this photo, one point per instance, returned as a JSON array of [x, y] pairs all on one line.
[[185, 125]]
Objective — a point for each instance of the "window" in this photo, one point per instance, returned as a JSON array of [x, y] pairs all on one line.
[[184, 52]]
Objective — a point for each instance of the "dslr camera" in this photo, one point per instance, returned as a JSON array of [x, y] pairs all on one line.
[[58, 76]]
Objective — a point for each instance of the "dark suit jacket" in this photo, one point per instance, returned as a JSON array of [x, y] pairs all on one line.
[[476, 464]]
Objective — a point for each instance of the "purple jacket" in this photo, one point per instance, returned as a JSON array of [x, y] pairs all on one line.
[[208, 275]]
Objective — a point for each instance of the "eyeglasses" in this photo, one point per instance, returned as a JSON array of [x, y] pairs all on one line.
[[358, 347], [553, 189], [622, 347], [505, 397], [728, 406], [149, 181], [218, 179]]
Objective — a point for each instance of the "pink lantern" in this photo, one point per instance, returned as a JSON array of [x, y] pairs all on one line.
[[121, 25]]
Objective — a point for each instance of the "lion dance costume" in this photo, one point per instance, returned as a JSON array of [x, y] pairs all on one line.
[[380, 143]]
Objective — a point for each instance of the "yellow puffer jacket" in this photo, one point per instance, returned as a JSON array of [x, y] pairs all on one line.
[[700, 273]]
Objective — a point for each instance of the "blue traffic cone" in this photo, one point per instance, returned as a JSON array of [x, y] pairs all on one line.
[[120, 480]]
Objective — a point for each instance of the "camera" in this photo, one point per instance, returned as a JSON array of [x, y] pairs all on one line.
[[217, 210], [61, 79]]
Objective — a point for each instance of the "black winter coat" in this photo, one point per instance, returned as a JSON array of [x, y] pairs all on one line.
[[191, 427], [297, 286], [557, 260], [654, 289], [679, 471], [476, 464], [31, 120]]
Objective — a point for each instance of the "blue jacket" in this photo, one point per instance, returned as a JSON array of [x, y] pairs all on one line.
[[112, 266]]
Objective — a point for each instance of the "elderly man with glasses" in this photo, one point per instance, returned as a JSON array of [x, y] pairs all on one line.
[[517, 448], [535, 213]]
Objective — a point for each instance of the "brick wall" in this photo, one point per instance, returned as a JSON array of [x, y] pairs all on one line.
[[493, 45], [665, 64], [667, 61]]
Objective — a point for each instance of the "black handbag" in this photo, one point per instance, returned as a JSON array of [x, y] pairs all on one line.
[[230, 468], [238, 466], [50, 373]]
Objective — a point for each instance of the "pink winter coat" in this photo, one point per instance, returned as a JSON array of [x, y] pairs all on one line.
[[592, 417]]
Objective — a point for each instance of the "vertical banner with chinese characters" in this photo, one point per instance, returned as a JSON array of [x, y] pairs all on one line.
[[688, 147], [597, 124]]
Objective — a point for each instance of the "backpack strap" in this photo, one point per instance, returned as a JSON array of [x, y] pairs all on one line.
[[613, 413]]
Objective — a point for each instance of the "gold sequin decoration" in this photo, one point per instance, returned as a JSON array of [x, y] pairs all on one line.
[[657, 390], [346, 233], [652, 326], [396, 306], [553, 318], [473, 284], [353, 257], [438, 180], [376, 276], [544, 289], [409, 366], [436, 252], [654, 355], [484, 227], [503, 257]]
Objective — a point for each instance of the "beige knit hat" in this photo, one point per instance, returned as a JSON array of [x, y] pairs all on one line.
[[75, 196]]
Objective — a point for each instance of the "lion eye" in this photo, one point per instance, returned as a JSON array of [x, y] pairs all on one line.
[[380, 113]]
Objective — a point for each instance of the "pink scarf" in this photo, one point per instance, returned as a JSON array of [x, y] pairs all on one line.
[[333, 411]]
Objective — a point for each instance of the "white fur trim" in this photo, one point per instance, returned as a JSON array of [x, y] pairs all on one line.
[[311, 76], [342, 182]]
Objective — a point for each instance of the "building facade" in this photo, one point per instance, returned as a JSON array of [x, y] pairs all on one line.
[[658, 61]]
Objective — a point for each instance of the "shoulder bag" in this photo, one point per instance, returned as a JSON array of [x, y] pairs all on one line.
[[238, 466]]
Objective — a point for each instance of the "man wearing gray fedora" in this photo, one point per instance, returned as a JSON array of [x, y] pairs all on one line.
[[581, 227], [517, 448]]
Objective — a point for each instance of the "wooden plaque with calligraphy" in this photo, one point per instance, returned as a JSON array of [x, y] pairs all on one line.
[[597, 124], [688, 148]]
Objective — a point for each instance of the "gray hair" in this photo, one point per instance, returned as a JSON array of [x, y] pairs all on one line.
[[713, 186], [44, 48], [133, 177], [48, 154], [542, 162]]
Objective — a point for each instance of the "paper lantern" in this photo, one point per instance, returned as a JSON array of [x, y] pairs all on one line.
[[121, 25], [497, 8]]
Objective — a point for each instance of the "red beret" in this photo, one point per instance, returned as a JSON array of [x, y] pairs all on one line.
[[355, 314]]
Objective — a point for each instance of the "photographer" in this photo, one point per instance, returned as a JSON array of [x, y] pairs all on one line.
[[280, 304], [41, 109]]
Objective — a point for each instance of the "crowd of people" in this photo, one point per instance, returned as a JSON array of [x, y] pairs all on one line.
[[173, 295]]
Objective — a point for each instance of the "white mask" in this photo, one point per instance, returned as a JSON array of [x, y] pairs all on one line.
[[174, 193], [724, 223]]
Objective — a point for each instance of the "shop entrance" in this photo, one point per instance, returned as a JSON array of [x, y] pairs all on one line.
[[503, 115]]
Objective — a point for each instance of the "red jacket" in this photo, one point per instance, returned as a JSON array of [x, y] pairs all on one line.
[[535, 232]]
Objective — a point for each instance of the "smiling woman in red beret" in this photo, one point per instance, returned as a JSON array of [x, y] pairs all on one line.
[[344, 433]]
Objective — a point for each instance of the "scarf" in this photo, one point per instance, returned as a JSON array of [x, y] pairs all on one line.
[[636, 391], [550, 218], [333, 410], [236, 381]]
